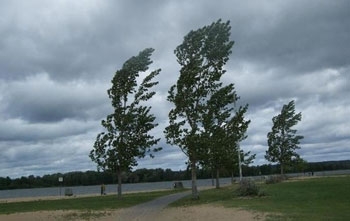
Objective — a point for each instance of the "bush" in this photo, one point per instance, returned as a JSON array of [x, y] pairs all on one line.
[[248, 188], [275, 179]]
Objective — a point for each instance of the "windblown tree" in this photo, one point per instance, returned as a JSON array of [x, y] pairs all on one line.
[[246, 158], [126, 137], [236, 131], [202, 56], [222, 130], [283, 140]]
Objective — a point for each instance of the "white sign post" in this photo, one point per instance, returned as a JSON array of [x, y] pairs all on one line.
[[60, 180]]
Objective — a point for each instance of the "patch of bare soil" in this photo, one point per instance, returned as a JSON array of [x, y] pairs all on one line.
[[193, 213], [207, 213]]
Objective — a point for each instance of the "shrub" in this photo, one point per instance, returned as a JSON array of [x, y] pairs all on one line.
[[248, 188]]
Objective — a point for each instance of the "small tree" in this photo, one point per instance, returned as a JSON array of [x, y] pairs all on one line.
[[300, 165], [282, 140], [126, 135], [223, 132], [247, 158], [202, 56]]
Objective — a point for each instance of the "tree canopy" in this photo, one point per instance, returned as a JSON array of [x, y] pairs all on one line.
[[282, 140], [202, 57], [126, 137], [224, 128]]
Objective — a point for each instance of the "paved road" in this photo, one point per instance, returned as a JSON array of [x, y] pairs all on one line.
[[146, 210]]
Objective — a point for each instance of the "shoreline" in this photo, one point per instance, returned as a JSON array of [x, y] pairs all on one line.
[[95, 189], [41, 198], [63, 197]]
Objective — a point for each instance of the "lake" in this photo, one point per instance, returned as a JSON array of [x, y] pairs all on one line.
[[110, 189]]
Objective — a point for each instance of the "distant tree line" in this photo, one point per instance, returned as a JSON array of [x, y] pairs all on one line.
[[157, 175], [299, 167]]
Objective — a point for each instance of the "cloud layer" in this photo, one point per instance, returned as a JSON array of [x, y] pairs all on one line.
[[57, 60]]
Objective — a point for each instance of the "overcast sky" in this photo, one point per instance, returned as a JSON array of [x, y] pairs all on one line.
[[57, 59]]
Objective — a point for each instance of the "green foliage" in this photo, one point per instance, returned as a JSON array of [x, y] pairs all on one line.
[[127, 129], [202, 56], [328, 165], [282, 140], [222, 134], [248, 187]]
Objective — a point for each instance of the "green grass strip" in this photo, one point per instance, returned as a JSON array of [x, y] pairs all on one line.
[[325, 198]]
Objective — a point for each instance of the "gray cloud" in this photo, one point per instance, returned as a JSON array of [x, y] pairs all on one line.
[[45, 157], [57, 60], [19, 130], [39, 99], [295, 37]]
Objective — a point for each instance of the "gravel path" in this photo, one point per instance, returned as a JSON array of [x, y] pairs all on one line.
[[146, 211]]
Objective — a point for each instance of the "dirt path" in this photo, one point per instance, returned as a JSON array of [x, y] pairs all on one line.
[[146, 211], [157, 210]]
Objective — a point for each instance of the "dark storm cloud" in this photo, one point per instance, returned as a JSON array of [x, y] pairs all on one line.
[[40, 99], [18, 130], [295, 37], [65, 40], [57, 60]]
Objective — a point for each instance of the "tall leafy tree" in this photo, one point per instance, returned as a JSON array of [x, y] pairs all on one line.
[[282, 140], [224, 128], [126, 137], [202, 56]]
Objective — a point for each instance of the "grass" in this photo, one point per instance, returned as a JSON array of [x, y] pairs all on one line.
[[97, 203], [311, 199]]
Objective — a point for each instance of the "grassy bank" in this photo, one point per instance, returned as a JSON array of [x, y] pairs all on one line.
[[310, 199], [83, 203]]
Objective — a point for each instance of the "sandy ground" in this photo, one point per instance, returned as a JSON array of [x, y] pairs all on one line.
[[201, 213], [193, 213], [206, 213]]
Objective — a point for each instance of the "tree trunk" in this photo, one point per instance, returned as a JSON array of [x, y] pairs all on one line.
[[194, 180], [119, 173], [232, 178], [212, 177], [282, 172], [217, 179]]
